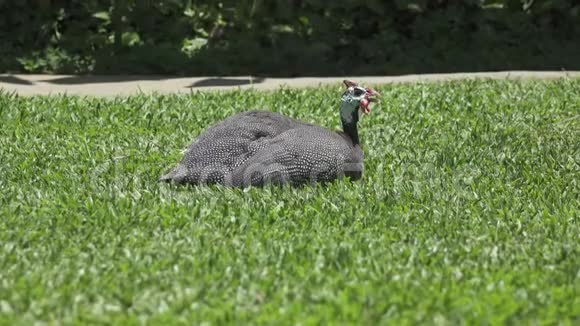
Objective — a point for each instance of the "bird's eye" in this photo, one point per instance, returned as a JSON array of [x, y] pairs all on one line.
[[358, 92]]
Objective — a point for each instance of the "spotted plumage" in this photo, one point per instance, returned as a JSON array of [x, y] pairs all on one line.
[[257, 147]]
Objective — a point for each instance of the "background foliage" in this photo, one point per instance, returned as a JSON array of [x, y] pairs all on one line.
[[287, 37]]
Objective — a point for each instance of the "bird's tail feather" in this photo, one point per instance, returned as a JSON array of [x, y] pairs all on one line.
[[176, 175]]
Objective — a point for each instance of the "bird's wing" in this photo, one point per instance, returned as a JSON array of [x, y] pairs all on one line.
[[236, 137], [227, 145], [297, 156]]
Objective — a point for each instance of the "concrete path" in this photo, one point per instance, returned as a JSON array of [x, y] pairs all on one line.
[[126, 85]]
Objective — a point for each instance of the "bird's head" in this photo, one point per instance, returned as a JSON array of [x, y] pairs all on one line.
[[356, 98]]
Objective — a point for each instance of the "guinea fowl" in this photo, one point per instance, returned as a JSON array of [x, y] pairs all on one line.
[[257, 147]]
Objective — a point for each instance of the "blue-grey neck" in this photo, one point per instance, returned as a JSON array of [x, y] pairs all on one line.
[[349, 119]]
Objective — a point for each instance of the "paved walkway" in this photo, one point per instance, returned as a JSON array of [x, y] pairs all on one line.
[[126, 85]]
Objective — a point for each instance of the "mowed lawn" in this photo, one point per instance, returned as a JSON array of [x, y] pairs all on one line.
[[468, 212]]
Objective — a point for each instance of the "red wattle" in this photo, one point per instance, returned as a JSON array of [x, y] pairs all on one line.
[[364, 104]]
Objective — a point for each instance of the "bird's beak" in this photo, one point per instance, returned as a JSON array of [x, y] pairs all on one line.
[[372, 95]]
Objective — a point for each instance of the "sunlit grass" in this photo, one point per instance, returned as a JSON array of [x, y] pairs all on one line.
[[468, 212]]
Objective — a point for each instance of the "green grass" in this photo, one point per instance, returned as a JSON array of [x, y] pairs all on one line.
[[468, 212]]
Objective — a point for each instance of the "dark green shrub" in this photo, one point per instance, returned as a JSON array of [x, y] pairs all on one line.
[[287, 37]]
